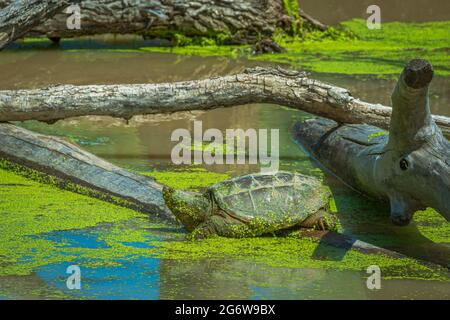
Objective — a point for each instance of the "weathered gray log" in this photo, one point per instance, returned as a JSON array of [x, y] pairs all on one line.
[[259, 85], [409, 167], [59, 158], [242, 21], [20, 16]]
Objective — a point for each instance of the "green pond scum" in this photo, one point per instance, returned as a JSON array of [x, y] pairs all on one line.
[[349, 48], [43, 217], [31, 210]]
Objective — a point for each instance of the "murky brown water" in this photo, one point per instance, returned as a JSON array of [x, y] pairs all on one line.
[[37, 68], [335, 11], [144, 144]]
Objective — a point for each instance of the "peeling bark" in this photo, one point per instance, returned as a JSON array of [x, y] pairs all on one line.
[[19, 16], [64, 160], [259, 85]]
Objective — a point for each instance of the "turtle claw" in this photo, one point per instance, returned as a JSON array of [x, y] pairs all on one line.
[[320, 221], [326, 222], [322, 224]]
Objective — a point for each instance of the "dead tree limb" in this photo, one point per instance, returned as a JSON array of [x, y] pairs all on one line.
[[241, 21], [258, 85], [19, 16], [61, 159], [409, 167]]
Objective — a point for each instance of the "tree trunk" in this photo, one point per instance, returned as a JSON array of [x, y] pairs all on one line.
[[19, 16], [259, 85], [239, 21], [408, 167], [61, 159]]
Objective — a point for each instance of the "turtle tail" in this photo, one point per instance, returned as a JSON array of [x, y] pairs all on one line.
[[189, 208]]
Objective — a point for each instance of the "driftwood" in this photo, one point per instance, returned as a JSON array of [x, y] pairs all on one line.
[[61, 159], [259, 85], [242, 21], [19, 16], [410, 167]]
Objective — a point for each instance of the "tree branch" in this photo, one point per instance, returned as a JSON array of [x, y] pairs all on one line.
[[259, 85], [20, 16], [241, 21]]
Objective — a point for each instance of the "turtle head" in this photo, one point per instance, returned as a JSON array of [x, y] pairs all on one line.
[[416, 166], [189, 208]]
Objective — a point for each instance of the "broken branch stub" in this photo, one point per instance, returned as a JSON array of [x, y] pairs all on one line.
[[409, 167]]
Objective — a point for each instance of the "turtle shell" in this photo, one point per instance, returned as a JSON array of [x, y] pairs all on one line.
[[282, 198]]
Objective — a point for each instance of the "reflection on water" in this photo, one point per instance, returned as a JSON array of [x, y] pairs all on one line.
[[152, 278], [225, 279], [144, 145], [138, 279]]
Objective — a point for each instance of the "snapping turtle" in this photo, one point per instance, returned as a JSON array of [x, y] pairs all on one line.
[[253, 205]]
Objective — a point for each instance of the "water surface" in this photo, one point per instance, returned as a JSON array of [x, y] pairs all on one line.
[[144, 144]]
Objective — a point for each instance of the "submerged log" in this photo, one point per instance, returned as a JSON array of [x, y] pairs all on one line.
[[63, 160], [409, 166], [237, 21], [259, 85], [19, 16]]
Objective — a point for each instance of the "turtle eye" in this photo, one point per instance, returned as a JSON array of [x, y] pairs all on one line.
[[404, 164]]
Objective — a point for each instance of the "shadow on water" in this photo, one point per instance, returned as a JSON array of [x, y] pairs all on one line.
[[323, 252], [368, 220]]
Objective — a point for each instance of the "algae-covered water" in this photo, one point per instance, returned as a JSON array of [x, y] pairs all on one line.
[[127, 255]]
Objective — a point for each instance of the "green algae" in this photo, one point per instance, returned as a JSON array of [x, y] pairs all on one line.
[[193, 179], [32, 205], [354, 50], [368, 220], [29, 208], [25, 224], [377, 134], [432, 225], [349, 48], [62, 184], [381, 52], [298, 253]]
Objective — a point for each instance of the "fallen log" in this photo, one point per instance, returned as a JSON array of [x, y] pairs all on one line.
[[236, 21], [409, 166], [259, 85], [19, 16], [63, 160]]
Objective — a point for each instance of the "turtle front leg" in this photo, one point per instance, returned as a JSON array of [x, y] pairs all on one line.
[[204, 230], [321, 220], [222, 226]]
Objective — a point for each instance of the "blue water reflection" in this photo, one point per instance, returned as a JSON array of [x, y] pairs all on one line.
[[125, 279]]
